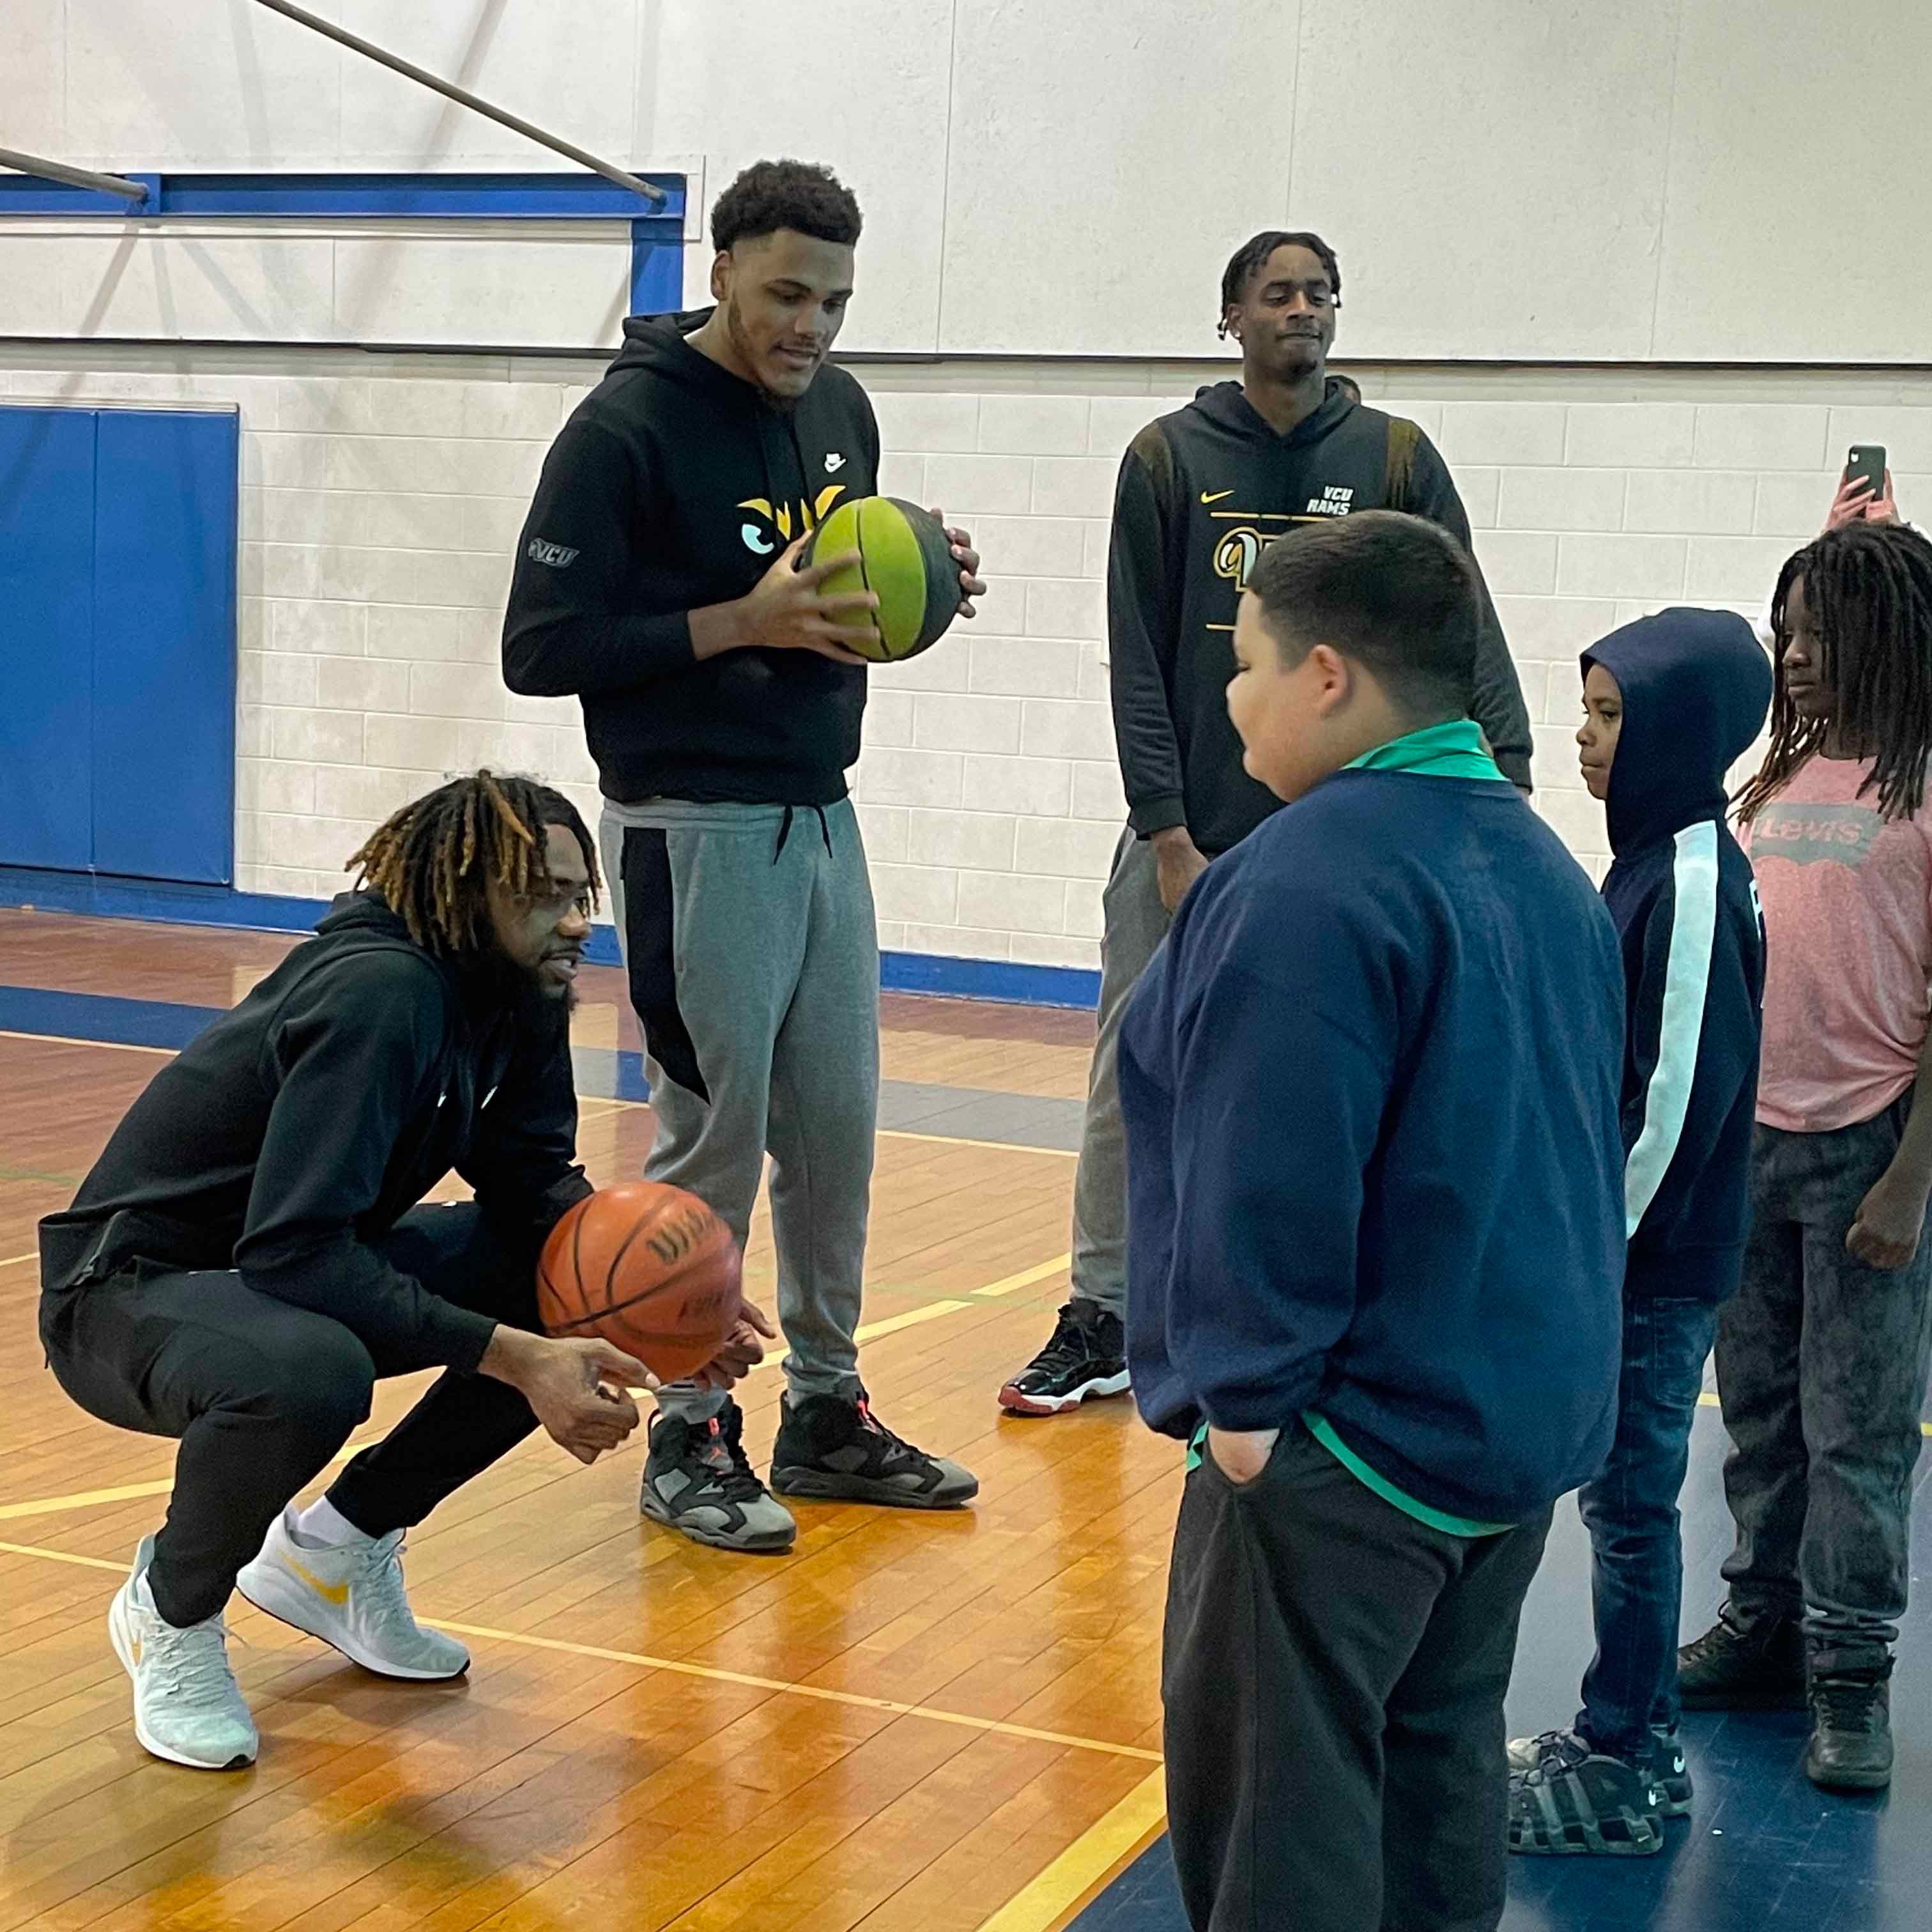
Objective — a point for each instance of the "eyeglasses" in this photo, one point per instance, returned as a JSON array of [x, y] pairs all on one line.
[[561, 904]]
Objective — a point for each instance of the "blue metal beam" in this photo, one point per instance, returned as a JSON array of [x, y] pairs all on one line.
[[547, 196], [657, 231]]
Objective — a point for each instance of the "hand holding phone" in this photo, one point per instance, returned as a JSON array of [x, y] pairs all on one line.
[[1864, 491], [1864, 466]]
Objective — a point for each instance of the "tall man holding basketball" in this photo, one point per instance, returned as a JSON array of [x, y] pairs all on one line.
[[656, 581], [249, 1254], [1202, 492]]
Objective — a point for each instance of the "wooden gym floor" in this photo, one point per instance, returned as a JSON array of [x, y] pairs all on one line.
[[931, 1724], [924, 1724]]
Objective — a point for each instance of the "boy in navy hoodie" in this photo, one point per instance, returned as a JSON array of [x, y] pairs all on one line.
[[1670, 703], [1376, 1211]]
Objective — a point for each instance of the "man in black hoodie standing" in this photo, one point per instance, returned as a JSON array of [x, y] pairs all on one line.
[[1202, 492], [249, 1254], [656, 581]]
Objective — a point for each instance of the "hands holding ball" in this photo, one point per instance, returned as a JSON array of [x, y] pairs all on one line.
[[639, 1284]]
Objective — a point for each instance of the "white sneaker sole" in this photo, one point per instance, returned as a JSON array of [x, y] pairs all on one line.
[[1015, 1403], [289, 1602], [123, 1649]]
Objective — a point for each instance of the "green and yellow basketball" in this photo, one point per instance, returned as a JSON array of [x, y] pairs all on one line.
[[904, 559]]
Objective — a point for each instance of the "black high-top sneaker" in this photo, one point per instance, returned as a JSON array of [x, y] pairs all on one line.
[[1851, 1728], [697, 1480], [1086, 1357], [834, 1448], [1735, 1667]]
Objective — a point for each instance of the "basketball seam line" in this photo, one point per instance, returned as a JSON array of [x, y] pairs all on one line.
[[610, 1273], [865, 577]]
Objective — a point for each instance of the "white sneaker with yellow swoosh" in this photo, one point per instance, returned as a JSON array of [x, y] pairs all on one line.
[[349, 1595], [187, 1706]]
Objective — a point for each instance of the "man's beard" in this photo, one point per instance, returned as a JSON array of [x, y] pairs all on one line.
[[741, 340]]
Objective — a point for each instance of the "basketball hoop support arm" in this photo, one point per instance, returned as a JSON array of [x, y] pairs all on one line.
[[449, 91]]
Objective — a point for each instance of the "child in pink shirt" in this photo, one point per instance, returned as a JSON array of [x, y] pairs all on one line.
[[1822, 1357]]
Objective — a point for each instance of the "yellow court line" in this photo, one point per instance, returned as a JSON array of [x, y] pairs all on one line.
[[956, 1140], [909, 1134], [1039, 1906], [711, 1673], [14, 1261], [998, 1726], [869, 1331], [1709, 1400], [130, 1492], [67, 1040], [63, 1556], [1059, 1264]]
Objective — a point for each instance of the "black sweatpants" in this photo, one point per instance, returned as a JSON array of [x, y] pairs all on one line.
[[261, 1394], [1333, 1673]]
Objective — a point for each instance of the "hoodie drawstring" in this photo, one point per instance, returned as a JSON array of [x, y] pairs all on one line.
[[785, 830]]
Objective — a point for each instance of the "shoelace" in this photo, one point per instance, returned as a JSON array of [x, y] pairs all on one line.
[[893, 1445], [193, 1663], [1070, 1344], [1563, 1748], [383, 1600], [721, 1451], [1845, 1704]]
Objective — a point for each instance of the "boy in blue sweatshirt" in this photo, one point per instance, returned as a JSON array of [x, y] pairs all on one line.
[[1376, 1233], [1670, 704]]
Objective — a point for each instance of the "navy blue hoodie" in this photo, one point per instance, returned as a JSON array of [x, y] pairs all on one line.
[[1695, 686], [1370, 1088]]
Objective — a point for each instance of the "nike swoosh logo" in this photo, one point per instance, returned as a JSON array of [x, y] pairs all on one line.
[[1215, 496], [336, 1594]]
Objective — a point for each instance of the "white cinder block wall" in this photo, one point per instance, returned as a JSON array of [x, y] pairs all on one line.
[[382, 497]]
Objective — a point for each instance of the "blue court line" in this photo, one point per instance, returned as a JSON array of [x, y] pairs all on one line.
[[602, 1073], [1019, 1121], [1003, 982]]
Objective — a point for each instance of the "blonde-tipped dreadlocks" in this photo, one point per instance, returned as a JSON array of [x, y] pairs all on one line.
[[432, 862]]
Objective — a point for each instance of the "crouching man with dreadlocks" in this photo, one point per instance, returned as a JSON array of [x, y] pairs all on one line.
[[249, 1254]]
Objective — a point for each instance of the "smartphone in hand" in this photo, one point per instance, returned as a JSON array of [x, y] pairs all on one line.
[[1864, 466]]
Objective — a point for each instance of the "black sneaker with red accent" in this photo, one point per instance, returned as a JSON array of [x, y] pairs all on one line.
[[697, 1480], [834, 1448], [1086, 1358]]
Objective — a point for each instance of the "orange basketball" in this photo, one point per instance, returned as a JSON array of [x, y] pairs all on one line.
[[650, 1269]]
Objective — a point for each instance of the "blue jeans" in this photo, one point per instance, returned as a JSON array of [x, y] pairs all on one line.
[[1630, 1511]]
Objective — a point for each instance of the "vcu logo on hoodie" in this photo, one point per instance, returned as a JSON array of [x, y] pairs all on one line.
[[776, 525]]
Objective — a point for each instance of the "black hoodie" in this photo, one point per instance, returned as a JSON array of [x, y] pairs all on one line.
[[299, 1127], [672, 488], [1200, 493], [1695, 686]]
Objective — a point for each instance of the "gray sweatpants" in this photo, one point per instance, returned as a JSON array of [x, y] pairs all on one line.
[[753, 957], [1135, 924]]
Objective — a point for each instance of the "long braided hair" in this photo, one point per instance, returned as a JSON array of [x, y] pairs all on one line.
[[433, 861], [1868, 591]]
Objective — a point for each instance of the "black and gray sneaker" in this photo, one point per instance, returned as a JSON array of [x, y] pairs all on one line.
[[1087, 1357], [1574, 1802], [697, 1480], [835, 1449], [1669, 1769]]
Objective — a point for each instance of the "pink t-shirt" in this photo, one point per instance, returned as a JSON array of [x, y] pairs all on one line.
[[1848, 930]]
